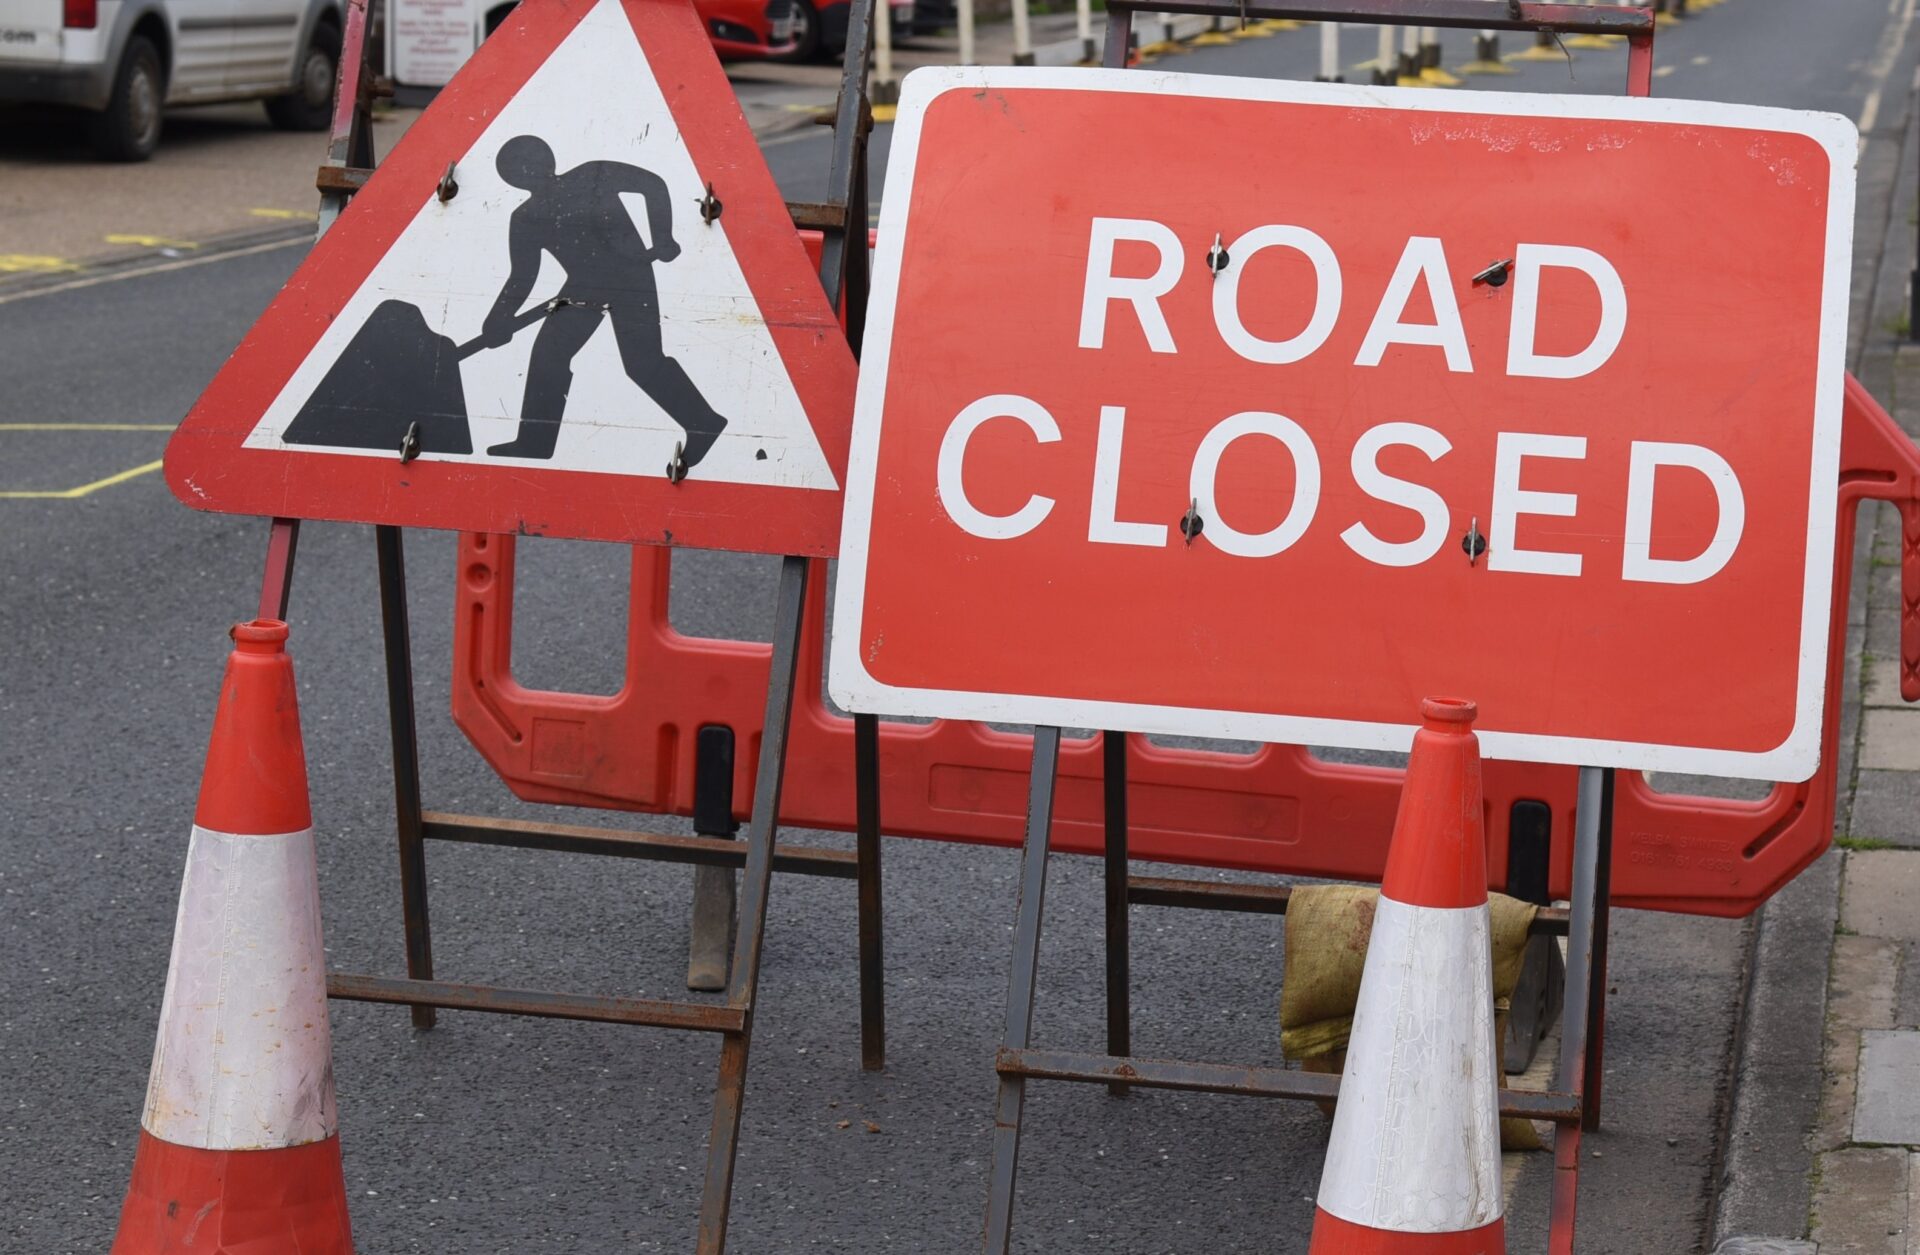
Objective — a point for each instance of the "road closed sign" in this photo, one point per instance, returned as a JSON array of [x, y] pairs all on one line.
[[1261, 410]]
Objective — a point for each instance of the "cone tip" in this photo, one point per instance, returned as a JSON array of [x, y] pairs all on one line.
[[259, 636], [1447, 714]]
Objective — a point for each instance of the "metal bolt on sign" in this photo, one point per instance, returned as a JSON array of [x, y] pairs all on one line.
[[1217, 256], [1473, 542], [1191, 522], [1495, 276]]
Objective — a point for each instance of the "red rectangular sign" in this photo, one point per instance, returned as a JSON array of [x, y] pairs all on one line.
[[1254, 409]]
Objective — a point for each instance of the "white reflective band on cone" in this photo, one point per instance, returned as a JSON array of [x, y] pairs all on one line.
[[1416, 1135], [243, 1060]]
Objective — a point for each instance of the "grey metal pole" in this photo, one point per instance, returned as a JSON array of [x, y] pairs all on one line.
[[1569, 1071]]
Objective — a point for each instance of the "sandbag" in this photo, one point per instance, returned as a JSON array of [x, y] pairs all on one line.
[[1328, 927]]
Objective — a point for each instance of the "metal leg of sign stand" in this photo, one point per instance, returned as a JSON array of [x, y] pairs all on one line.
[[1568, 1104], [730, 1092], [1025, 971], [406, 763], [844, 272], [349, 163], [873, 988], [1574, 1103], [1586, 990], [1595, 1056], [1113, 748], [422, 994], [276, 583]]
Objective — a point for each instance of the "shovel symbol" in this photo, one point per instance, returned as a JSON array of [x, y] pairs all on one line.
[[395, 372]]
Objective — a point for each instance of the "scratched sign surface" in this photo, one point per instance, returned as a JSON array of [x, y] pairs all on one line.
[[1241, 436]]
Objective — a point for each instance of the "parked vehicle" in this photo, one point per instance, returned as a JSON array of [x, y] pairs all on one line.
[[741, 30], [126, 60], [820, 26]]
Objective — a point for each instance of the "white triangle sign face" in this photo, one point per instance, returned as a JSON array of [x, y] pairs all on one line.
[[576, 314]]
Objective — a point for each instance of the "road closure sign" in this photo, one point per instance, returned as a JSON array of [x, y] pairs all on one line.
[[572, 302], [1261, 410]]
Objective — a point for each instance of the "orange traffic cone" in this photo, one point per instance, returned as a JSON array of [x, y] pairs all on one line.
[[239, 1142], [1413, 1167]]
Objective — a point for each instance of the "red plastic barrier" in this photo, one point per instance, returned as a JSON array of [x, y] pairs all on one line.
[[1279, 809]]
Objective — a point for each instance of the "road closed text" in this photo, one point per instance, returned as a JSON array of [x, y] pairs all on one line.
[[1112, 293], [1293, 405]]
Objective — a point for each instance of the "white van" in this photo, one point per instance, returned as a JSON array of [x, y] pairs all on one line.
[[124, 60]]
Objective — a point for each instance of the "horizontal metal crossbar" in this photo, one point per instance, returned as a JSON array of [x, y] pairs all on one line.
[[621, 843], [697, 1016], [1214, 895], [1227, 1078], [1569, 19]]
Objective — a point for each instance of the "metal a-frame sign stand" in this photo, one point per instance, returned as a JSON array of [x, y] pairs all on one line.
[[842, 222], [1574, 1102]]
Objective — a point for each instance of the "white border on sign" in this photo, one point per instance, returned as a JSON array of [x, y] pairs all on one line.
[[1795, 758]]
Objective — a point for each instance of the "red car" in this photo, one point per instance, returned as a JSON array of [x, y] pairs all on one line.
[[745, 29], [740, 29]]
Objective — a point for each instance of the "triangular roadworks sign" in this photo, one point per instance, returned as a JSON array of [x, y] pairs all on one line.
[[555, 340]]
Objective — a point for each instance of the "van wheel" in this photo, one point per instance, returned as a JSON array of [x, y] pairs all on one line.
[[128, 129], [309, 106]]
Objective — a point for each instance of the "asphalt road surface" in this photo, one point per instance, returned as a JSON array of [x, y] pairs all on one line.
[[502, 1134]]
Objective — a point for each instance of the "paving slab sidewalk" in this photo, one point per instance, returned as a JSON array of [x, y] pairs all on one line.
[[1822, 1149]]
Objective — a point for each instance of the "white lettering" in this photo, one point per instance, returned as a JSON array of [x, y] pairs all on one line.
[[1424, 258], [1510, 501], [1103, 525], [953, 455], [1636, 562], [1326, 301], [1103, 286], [1419, 498], [1306, 484], [1528, 262]]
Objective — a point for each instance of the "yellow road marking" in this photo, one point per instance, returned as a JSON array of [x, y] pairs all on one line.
[[16, 263], [149, 241], [74, 494], [1661, 71], [297, 215], [86, 426]]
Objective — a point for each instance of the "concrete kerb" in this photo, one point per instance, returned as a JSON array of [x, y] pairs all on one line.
[[1763, 1180], [1764, 1194]]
